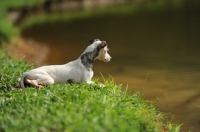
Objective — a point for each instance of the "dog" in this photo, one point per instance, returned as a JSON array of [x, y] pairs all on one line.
[[77, 71]]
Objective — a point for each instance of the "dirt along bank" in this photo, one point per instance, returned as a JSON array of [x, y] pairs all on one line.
[[27, 49]]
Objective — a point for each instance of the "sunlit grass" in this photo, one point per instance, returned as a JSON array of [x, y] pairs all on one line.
[[77, 107]]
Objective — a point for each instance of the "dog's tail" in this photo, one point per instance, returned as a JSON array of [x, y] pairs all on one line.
[[21, 82]]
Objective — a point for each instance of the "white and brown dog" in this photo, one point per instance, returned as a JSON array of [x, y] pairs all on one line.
[[76, 71]]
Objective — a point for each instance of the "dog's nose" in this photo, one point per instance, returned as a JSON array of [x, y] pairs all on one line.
[[110, 58]]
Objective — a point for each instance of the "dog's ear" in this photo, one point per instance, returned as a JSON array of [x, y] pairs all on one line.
[[93, 40], [102, 45]]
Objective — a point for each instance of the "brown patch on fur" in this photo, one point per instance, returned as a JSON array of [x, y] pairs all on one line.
[[102, 45]]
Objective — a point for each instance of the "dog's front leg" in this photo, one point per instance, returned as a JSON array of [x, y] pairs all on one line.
[[88, 77]]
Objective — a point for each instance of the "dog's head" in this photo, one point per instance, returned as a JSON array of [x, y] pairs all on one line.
[[99, 49]]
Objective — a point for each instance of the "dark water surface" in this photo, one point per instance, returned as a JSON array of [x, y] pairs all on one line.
[[157, 54]]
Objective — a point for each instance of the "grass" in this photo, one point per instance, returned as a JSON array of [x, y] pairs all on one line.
[[77, 107]]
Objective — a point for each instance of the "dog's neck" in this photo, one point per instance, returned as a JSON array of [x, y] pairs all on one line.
[[88, 58]]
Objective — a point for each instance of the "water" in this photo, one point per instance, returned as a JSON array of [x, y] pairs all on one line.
[[156, 53]]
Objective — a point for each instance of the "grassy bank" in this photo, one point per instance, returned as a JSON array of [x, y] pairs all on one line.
[[77, 107]]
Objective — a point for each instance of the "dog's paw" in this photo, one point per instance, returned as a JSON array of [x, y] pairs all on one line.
[[90, 82]]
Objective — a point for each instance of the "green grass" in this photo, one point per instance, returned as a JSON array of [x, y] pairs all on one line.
[[77, 107]]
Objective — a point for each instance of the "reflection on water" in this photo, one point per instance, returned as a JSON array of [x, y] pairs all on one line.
[[154, 53]]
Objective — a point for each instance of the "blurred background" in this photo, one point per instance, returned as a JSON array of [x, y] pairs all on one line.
[[155, 44]]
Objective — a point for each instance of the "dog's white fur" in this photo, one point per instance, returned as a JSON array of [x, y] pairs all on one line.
[[76, 71]]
